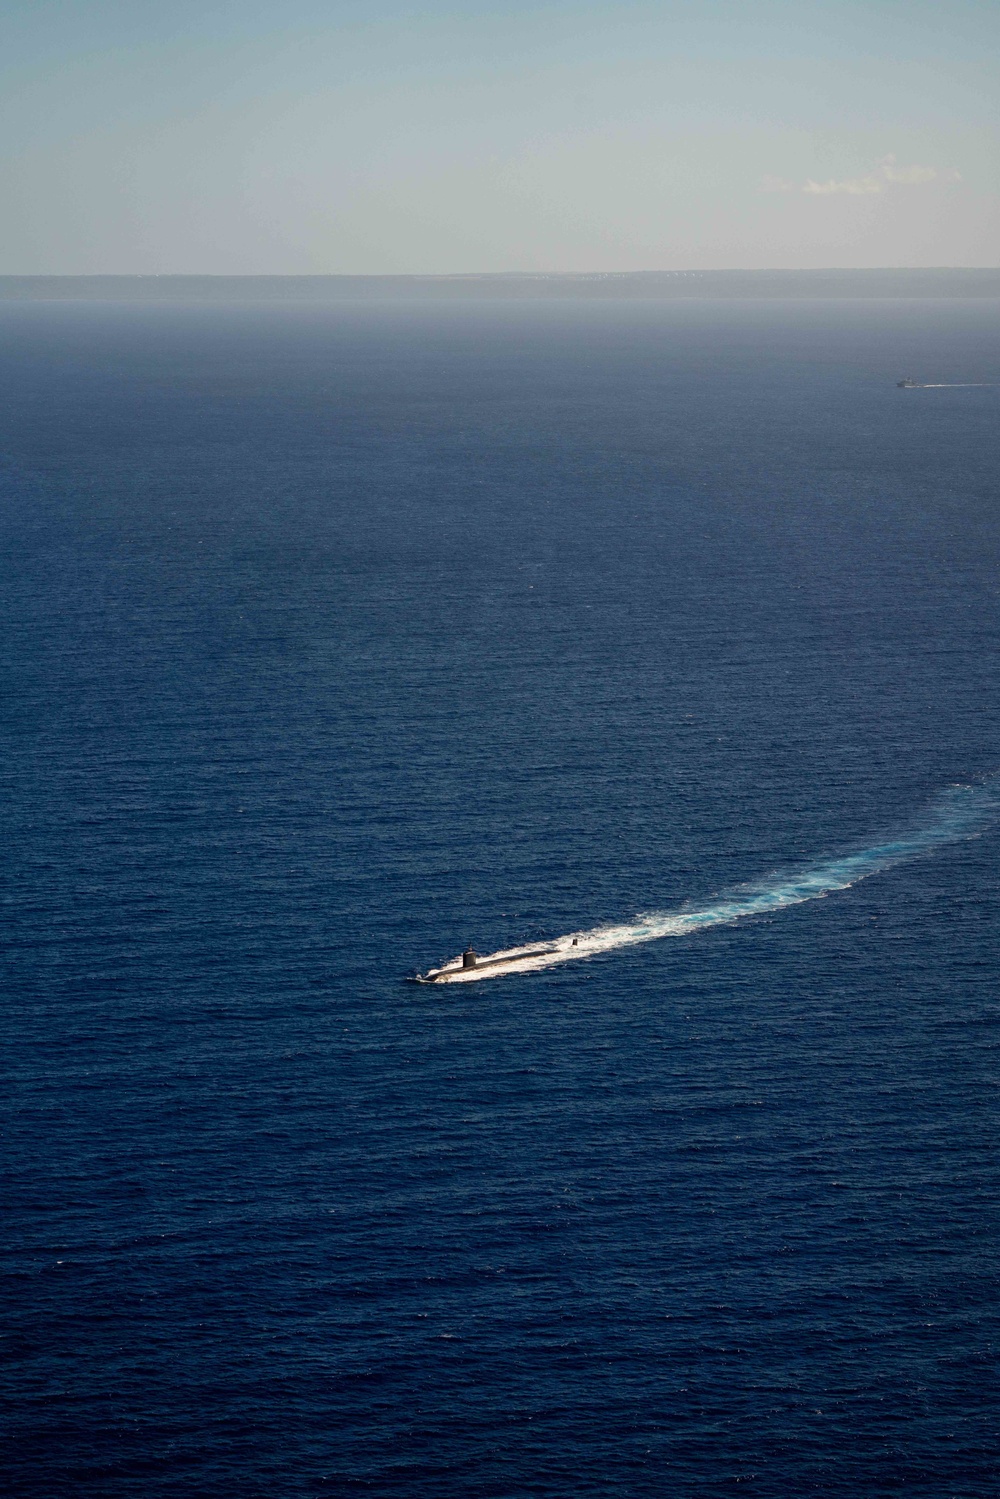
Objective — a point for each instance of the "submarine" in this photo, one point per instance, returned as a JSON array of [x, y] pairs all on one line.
[[470, 965]]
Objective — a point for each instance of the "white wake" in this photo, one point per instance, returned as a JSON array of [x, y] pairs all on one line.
[[961, 812]]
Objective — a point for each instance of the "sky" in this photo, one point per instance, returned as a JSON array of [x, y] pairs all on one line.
[[251, 137]]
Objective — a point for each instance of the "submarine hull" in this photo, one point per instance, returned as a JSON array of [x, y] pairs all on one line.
[[493, 965]]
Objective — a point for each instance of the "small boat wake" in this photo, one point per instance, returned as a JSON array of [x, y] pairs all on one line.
[[961, 812]]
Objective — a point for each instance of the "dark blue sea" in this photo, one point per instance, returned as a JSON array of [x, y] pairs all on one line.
[[337, 637]]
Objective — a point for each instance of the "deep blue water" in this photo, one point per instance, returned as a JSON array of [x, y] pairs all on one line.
[[334, 639]]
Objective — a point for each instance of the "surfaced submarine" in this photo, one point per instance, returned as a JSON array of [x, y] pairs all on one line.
[[470, 959], [469, 965]]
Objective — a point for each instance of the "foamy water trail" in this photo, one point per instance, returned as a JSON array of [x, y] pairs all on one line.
[[962, 812]]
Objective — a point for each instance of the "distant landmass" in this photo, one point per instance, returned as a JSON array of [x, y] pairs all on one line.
[[624, 285]]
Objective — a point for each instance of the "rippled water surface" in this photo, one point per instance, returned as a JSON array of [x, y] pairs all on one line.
[[336, 639]]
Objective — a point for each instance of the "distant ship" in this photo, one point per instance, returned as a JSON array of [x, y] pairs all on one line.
[[908, 385]]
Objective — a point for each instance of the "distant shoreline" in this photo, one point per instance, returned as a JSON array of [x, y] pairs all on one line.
[[604, 286]]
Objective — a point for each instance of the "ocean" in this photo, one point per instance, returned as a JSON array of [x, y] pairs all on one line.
[[337, 637]]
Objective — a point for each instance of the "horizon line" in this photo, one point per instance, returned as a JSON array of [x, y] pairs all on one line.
[[504, 275]]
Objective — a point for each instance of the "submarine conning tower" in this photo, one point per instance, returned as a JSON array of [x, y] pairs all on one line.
[[469, 958]]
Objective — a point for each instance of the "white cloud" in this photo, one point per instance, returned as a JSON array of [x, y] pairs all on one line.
[[856, 186], [886, 174]]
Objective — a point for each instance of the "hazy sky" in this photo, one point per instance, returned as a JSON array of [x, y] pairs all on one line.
[[240, 136]]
